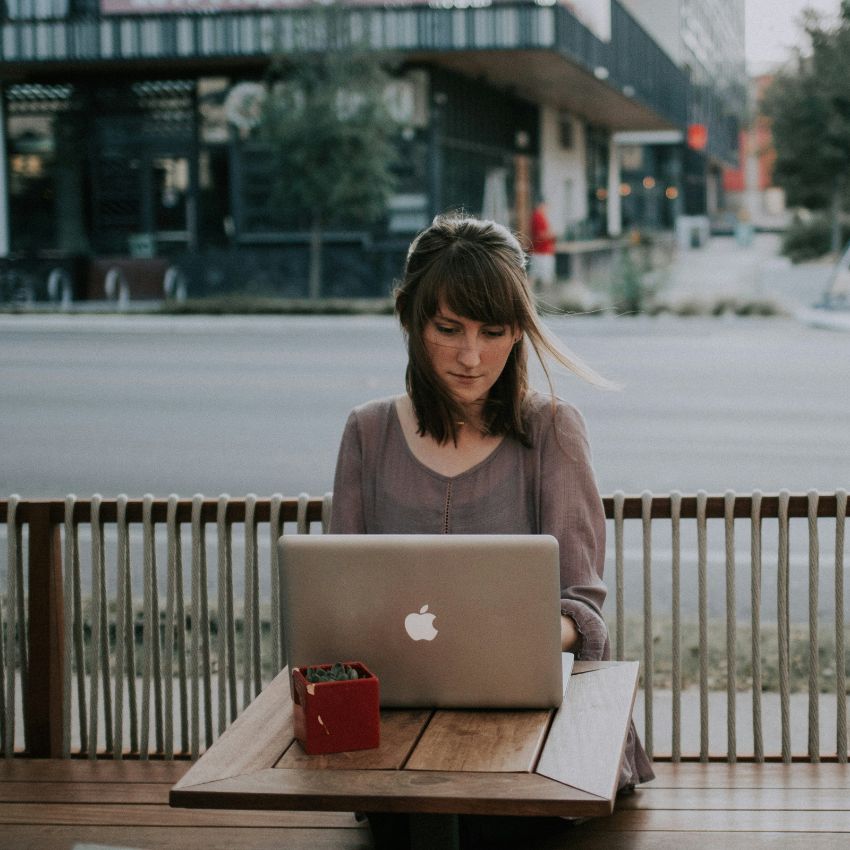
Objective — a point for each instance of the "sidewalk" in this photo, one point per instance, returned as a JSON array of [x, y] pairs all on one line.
[[720, 270], [724, 269]]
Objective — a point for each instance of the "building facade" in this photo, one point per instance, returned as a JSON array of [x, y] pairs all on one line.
[[705, 38], [753, 197], [123, 149]]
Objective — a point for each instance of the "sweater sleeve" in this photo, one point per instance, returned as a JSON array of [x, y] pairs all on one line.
[[571, 510], [347, 515]]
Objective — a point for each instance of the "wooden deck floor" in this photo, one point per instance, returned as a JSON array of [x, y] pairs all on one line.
[[733, 807], [59, 805], [48, 805]]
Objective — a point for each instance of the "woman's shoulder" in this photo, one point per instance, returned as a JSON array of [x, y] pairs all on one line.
[[545, 410], [375, 413]]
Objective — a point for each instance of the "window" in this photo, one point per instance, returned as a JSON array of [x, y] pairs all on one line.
[[23, 10], [565, 130]]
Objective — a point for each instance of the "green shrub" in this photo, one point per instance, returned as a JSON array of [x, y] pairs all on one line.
[[629, 290], [810, 238], [759, 308], [688, 308]]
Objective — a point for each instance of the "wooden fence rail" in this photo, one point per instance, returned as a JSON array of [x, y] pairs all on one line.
[[190, 655]]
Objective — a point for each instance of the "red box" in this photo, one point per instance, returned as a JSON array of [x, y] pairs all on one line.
[[333, 717]]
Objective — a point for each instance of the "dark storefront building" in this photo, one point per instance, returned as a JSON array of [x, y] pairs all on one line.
[[123, 149]]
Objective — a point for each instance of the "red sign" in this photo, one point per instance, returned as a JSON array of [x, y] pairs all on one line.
[[697, 136]]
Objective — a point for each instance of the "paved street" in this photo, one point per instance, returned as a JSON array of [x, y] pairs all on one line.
[[257, 405]]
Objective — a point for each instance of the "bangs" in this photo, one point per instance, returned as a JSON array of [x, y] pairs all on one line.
[[474, 284]]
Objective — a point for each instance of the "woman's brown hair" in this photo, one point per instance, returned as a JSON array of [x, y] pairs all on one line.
[[477, 269]]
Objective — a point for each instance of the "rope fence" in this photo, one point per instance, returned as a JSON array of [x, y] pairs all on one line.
[[167, 631]]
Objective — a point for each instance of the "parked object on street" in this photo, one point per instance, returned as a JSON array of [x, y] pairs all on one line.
[[832, 311]]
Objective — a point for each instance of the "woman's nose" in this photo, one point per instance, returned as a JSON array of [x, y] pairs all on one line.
[[469, 353]]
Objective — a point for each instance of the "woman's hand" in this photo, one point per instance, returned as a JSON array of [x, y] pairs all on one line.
[[569, 634]]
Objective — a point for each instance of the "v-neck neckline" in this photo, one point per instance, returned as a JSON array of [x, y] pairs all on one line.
[[430, 470]]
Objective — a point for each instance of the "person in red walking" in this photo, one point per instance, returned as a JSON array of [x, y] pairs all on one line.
[[542, 263]]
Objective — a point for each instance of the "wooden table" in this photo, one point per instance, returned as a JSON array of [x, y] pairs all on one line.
[[431, 762]]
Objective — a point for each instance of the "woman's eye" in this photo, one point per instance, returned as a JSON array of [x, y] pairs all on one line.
[[446, 329], [495, 332]]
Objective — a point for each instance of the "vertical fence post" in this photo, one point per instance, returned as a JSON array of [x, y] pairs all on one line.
[[676, 565], [702, 603], [840, 649], [783, 624], [731, 631], [619, 502], [755, 615], [814, 643], [43, 719], [648, 649]]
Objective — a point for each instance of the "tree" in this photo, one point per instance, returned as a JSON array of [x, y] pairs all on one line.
[[809, 106], [327, 120]]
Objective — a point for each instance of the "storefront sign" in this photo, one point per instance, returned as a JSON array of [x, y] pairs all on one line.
[[697, 137]]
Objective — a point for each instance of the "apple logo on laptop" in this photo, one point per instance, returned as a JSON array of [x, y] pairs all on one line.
[[420, 626]]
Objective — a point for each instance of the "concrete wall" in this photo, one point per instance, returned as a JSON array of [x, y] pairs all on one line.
[[563, 175]]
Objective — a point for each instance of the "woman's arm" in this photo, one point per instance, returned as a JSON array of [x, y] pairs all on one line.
[[347, 515], [570, 636], [571, 510]]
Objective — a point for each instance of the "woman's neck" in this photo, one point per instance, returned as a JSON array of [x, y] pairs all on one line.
[[449, 458], [472, 418]]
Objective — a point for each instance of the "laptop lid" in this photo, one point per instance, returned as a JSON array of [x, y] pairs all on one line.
[[443, 620]]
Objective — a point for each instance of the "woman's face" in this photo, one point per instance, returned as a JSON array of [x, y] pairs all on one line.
[[467, 356]]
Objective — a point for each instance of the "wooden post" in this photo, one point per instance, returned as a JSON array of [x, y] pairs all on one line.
[[43, 717], [522, 199]]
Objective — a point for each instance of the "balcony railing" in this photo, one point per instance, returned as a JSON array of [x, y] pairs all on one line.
[[143, 626], [632, 60]]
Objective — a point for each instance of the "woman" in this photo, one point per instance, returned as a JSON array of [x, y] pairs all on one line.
[[470, 448]]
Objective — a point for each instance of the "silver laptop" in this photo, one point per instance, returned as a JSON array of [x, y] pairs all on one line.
[[447, 620]]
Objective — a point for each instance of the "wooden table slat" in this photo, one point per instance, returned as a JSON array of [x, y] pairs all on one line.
[[254, 741], [58, 837], [739, 799], [453, 792], [585, 744], [495, 741], [750, 775], [121, 814], [84, 770], [756, 820], [400, 730], [586, 838], [131, 793]]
